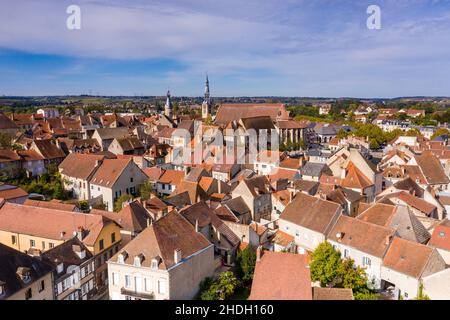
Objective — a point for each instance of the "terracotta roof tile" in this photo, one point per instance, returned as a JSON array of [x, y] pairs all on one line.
[[109, 171], [363, 236], [432, 168], [162, 238], [8, 192], [379, 213], [172, 177], [311, 212], [407, 257], [281, 276], [80, 166], [355, 179], [235, 112], [59, 225], [332, 293], [441, 236], [51, 205], [417, 203]]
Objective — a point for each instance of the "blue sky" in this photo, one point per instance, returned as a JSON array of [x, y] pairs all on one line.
[[316, 48]]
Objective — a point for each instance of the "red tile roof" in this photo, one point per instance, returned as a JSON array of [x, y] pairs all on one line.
[[441, 236], [407, 257], [311, 212], [109, 171], [80, 166], [153, 173], [12, 193], [355, 179], [417, 203], [432, 168], [231, 112], [162, 238], [7, 155], [363, 236], [59, 225], [172, 177], [281, 276], [379, 213], [50, 205]]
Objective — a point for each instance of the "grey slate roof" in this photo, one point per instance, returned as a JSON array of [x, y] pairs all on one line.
[[313, 169], [10, 261]]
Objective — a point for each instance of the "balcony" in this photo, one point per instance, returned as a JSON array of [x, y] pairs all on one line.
[[139, 295]]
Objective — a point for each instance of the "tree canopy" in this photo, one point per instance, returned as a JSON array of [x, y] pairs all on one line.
[[331, 270], [246, 261], [219, 289], [440, 132], [119, 202]]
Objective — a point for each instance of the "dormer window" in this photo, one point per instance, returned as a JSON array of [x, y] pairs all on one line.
[[155, 263], [24, 274], [138, 260], [60, 268], [122, 257]]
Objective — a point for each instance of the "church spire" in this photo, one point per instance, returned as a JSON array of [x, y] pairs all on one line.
[[207, 87], [168, 106], [206, 105]]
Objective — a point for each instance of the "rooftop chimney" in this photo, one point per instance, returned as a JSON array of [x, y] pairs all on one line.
[[259, 253], [79, 251], [388, 240], [80, 233], [98, 163], [177, 255], [197, 229]]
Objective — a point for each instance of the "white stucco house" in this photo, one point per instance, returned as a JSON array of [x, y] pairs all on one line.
[[167, 260], [406, 264], [366, 243], [308, 219], [114, 178]]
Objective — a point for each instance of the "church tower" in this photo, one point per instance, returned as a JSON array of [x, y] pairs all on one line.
[[168, 106], [207, 104]]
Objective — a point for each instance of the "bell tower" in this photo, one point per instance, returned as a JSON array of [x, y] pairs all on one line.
[[168, 106], [207, 104]]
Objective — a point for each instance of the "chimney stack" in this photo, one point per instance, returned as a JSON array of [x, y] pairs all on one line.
[[80, 233], [197, 229], [388, 240], [259, 253], [177, 256]]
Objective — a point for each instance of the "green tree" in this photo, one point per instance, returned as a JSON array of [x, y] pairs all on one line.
[[331, 270], [440, 132], [146, 190], [421, 295], [246, 261], [413, 132], [83, 205], [5, 141], [373, 143], [393, 134], [220, 289], [342, 134], [324, 264], [119, 202], [205, 293], [208, 120], [356, 279]]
